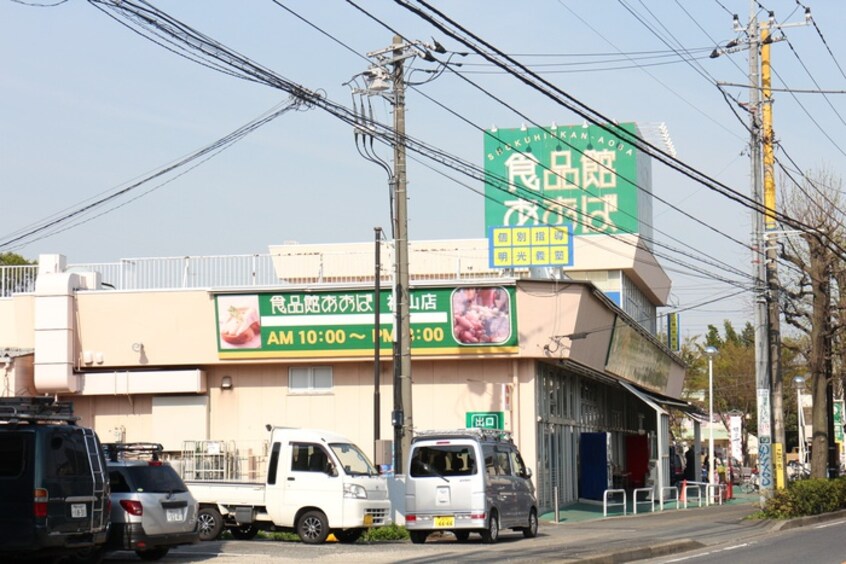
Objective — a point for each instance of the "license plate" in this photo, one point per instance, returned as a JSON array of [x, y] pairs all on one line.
[[173, 515], [78, 510], [444, 521], [368, 520]]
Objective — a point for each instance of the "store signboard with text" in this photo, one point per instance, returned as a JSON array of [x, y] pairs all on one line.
[[342, 323], [586, 176], [537, 246], [485, 420]]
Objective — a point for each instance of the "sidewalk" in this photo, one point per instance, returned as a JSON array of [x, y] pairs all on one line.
[[583, 511]]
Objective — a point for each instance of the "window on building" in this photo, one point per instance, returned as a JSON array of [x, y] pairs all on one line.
[[310, 379]]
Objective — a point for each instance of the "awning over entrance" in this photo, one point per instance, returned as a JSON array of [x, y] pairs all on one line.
[[663, 403]]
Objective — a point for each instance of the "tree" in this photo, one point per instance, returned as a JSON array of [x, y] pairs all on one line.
[[733, 372], [14, 259], [810, 296]]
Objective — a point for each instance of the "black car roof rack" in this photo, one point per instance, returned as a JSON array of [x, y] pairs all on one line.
[[135, 451], [37, 409]]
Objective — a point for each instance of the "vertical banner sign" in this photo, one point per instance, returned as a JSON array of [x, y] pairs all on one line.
[[673, 333], [765, 454], [552, 176], [735, 440], [838, 421], [778, 460]]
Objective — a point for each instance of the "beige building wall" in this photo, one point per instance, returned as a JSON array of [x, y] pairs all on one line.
[[121, 333]]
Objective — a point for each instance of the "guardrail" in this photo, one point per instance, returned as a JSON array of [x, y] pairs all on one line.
[[692, 490], [714, 493], [612, 503], [636, 502], [670, 499]]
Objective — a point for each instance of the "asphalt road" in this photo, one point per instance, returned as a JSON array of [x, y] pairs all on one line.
[[822, 543], [710, 533]]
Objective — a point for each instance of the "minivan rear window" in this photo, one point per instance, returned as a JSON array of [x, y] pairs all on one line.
[[443, 460], [155, 479], [67, 454], [12, 455]]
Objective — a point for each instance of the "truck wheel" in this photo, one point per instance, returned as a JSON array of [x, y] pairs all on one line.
[[244, 532], [491, 534], [348, 536], [153, 553], [418, 537], [209, 523], [313, 528], [531, 531]]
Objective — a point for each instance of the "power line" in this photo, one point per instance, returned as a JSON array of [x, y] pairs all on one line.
[[211, 149], [487, 133], [495, 55]]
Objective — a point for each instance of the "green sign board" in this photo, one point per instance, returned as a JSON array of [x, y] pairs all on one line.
[[558, 175], [540, 245], [838, 421], [342, 323], [485, 419]]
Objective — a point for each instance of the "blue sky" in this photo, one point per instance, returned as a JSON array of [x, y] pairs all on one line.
[[88, 106]]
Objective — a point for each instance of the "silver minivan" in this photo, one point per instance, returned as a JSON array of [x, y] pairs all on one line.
[[468, 480]]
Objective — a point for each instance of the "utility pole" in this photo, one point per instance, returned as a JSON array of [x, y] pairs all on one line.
[[389, 69], [768, 371], [402, 369], [762, 351], [773, 287]]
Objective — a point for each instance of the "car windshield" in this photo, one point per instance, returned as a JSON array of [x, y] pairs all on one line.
[[353, 461], [155, 479], [443, 461]]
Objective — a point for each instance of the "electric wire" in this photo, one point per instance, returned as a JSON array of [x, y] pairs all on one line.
[[502, 102], [585, 111], [213, 148], [344, 45]]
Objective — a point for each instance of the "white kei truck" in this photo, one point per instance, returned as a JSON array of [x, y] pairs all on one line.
[[318, 482]]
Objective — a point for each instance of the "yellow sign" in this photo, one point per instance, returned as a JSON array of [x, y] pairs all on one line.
[[778, 462], [522, 247]]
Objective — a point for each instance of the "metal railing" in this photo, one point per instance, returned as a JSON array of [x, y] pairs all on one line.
[[230, 271], [17, 279], [648, 498], [613, 498]]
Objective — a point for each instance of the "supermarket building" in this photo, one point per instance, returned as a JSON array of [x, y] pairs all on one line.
[[207, 352]]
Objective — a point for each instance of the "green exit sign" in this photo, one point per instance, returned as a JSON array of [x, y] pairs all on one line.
[[485, 419]]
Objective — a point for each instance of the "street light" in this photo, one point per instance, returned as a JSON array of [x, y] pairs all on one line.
[[799, 384], [710, 352]]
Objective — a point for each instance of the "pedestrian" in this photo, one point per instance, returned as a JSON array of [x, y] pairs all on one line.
[[690, 465]]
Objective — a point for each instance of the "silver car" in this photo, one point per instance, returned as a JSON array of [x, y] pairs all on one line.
[[468, 480], [152, 509]]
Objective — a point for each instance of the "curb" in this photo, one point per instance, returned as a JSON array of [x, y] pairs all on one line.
[[809, 520], [640, 553]]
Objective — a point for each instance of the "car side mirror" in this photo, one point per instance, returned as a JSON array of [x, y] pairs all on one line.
[[527, 473], [331, 470]]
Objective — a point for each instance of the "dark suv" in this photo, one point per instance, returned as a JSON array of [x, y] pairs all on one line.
[[152, 509], [54, 491]]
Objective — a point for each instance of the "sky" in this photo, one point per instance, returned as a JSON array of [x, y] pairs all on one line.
[[89, 107]]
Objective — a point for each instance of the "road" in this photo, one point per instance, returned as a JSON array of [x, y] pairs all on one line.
[[824, 543], [701, 535]]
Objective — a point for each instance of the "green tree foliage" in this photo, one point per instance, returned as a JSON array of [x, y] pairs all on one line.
[[14, 259]]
